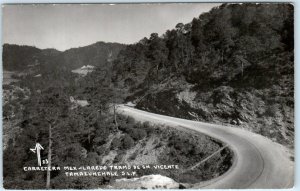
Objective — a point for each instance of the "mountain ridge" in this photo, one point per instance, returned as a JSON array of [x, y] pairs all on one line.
[[18, 57]]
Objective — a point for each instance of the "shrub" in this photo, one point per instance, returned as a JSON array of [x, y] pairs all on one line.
[[102, 133], [148, 128], [125, 127], [146, 124], [99, 140], [19, 94], [92, 158], [6, 87], [118, 158], [130, 120], [100, 150], [137, 134], [115, 143], [138, 125], [133, 156], [160, 144], [127, 142], [271, 110]]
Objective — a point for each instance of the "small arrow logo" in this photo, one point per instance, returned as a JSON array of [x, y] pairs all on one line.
[[37, 150]]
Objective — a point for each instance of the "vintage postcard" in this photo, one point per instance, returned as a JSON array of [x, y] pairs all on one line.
[[148, 96]]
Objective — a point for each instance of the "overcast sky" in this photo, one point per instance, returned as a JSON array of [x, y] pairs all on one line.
[[69, 26]]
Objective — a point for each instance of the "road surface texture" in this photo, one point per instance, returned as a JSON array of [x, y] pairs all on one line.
[[258, 162]]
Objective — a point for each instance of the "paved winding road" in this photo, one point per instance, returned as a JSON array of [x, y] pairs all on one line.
[[258, 161]]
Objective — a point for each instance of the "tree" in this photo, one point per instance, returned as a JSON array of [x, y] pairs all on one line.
[[53, 106], [157, 53]]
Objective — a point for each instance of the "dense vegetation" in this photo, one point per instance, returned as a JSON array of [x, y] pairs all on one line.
[[233, 65], [238, 44], [39, 109], [90, 135], [19, 58]]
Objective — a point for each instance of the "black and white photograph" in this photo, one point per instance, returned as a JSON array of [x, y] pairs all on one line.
[[148, 96]]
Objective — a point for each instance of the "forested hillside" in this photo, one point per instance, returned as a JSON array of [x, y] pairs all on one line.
[[234, 65], [214, 46], [41, 110], [17, 57], [20, 58]]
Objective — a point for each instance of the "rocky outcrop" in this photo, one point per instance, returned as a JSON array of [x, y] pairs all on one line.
[[268, 111]]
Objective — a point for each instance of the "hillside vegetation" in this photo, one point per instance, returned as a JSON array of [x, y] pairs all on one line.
[[86, 136], [20, 58], [232, 65]]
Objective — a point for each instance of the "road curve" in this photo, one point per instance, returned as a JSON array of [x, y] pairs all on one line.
[[258, 161]]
